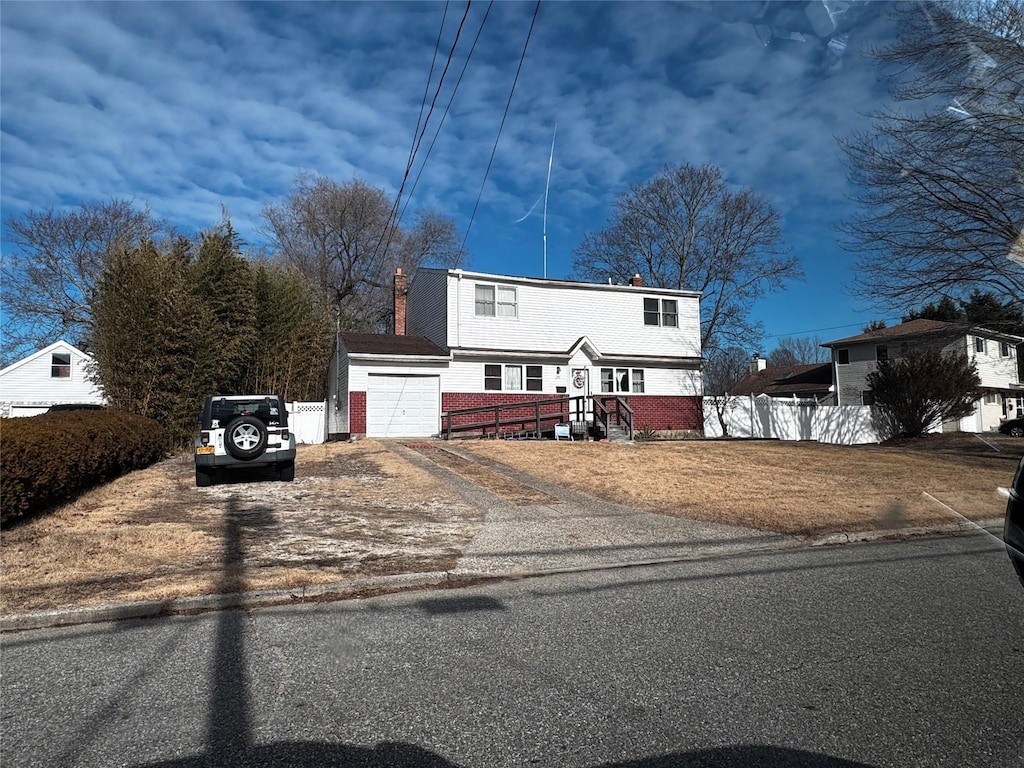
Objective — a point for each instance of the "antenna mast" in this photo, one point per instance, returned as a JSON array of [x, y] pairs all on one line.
[[547, 184]]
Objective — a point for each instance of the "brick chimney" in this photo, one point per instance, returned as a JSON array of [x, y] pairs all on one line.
[[636, 280], [401, 289]]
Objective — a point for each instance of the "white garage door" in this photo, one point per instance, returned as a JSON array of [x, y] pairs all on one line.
[[402, 406]]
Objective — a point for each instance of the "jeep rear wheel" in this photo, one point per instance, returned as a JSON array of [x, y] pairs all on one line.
[[204, 477], [246, 438], [286, 470]]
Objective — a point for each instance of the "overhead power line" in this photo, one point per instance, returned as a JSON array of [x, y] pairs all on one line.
[[508, 104], [444, 115]]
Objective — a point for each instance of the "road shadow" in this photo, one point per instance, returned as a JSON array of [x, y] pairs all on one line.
[[302, 754]]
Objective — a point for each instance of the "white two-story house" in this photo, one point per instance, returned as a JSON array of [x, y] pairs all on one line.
[[994, 354], [468, 340]]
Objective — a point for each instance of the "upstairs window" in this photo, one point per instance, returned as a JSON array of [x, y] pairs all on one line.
[[507, 303], [496, 301], [881, 353], [663, 312], [651, 312], [979, 345], [669, 313], [485, 301], [1005, 350], [60, 365], [843, 356]]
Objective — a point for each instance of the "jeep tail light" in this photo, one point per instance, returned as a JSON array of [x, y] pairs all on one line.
[[284, 433], [204, 438]]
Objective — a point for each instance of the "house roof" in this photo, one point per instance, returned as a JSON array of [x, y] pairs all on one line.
[[925, 328], [57, 345], [517, 279], [389, 344], [787, 380]]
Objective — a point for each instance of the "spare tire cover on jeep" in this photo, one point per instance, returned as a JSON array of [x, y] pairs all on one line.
[[245, 438]]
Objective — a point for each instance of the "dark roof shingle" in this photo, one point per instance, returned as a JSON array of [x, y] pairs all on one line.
[[787, 380], [388, 344]]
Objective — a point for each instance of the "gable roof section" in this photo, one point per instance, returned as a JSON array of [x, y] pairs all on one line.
[[389, 344], [787, 380], [59, 345], [918, 328]]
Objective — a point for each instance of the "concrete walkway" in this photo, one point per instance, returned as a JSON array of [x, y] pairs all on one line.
[[572, 531]]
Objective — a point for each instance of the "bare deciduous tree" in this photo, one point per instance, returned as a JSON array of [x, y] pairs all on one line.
[[800, 350], [343, 239], [686, 229], [723, 370], [941, 182], [50, 275]]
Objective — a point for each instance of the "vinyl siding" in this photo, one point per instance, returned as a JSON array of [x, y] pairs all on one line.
[[30, 381], [995, 371], [554, 317], [426, 306]]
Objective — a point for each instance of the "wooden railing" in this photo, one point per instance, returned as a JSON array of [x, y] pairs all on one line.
[[498, 420], [621, 415]]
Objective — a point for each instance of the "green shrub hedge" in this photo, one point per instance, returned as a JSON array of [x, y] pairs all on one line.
[[50, 459]]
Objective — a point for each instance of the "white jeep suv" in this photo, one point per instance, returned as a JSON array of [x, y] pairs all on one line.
[[243, 431]]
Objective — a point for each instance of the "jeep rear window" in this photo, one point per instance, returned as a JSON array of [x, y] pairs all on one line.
[[266, 409]]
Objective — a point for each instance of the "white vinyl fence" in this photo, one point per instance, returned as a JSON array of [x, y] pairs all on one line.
[[307, 422], [778, 419]]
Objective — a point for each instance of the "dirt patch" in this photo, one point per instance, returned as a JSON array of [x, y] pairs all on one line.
[[796, 488], [352, 511], [500, 485]]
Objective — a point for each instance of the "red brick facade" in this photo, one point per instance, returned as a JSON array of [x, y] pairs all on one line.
[[667, 412], [454, 400], [654, 411], [357, 413]]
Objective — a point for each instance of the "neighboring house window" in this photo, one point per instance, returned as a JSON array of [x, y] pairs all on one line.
[[492, 377], [993, 398], [496, 301], [979, 345], [485, 301], [513, 378], [664, 312], [867, 397], [1005, 350], [60, 365], [534, 378], [881, 353], [843, 356], [618, 380]]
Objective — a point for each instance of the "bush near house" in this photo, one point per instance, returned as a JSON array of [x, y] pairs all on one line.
[[51, 458]]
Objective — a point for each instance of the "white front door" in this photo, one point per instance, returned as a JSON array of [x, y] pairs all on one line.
[[403, 406]]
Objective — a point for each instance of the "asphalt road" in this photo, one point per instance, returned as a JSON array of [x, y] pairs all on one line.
[[887, 654]]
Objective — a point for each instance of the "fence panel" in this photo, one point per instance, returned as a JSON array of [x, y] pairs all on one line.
[[762, 417], [307, 421]]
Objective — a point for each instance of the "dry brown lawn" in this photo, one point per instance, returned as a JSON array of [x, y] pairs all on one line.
[[795, 488], [353, 510]]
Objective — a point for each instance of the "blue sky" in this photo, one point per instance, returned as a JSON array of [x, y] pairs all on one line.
[[190, 106]]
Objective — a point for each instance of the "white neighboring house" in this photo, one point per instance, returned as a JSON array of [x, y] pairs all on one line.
[[994, 353], [55, 374], [477, 340]]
